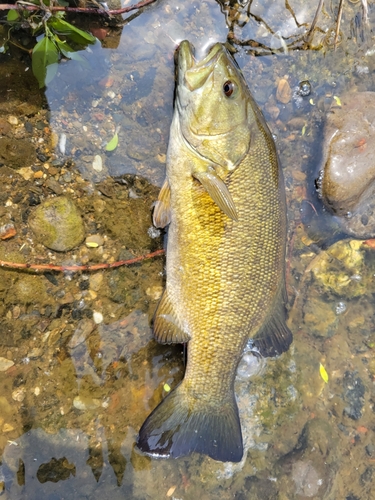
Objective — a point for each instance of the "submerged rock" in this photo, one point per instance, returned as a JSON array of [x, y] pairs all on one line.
[[341, 270], [57, 224], [354, 392], [347, 173]]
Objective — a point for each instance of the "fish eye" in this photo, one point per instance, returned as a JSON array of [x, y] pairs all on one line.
[[228, 88]]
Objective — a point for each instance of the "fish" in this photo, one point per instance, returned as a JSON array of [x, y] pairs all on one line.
[[224, 203]]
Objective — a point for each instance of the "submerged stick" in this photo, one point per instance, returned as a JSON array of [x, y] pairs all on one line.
[[76, 268], [364, 11], [339, 15], [315, 20]]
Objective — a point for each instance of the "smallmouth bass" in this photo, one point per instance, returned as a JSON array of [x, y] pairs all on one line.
[[224, 201]]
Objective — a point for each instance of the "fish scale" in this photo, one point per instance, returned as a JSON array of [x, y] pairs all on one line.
[[225, 203]]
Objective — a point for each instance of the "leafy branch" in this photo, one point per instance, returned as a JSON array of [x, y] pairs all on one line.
[[56, 38], [60, 8]]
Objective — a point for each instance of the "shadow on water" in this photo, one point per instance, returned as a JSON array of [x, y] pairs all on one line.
[[79, 370]]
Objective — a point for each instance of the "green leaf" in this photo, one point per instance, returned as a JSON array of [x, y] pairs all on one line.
[[12, 15], [44, 61], [51, 72], [113, 143], [67, 29], [67, 51]]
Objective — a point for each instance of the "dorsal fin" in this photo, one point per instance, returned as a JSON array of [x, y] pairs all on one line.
[[274, 337], [167, 327], [162, 210]]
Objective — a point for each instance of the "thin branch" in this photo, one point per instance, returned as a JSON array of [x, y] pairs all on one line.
[[124, 10], [365, 11], [93, 267], [315, 20], [339, 15]]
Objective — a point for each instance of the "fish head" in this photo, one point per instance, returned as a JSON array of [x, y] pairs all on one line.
[[212, 101]]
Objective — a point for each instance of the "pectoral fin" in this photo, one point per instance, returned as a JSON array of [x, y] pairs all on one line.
[[219, 192], [274, 337], [162, 210], [167, 327]]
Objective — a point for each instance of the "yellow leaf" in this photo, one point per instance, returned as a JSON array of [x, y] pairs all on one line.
[[112, 144], [303, 130], [311, 102], [337, 99], [166, 387], [323, 373]]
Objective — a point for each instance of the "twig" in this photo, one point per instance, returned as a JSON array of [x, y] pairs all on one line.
[[365, 11], [93, 267], [339, 15], [124, 10], [315, 20]]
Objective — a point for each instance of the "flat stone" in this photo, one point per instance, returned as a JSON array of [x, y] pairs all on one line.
[[5, 364], [85, 404]]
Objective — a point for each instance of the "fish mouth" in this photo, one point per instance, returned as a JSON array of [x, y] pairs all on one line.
[[192, 73]]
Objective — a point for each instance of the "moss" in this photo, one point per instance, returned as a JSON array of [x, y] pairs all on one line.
[[57, 224]]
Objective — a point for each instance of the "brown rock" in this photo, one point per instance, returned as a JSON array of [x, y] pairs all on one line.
[[273, 111], [347, 170], [349, 147], [283, 91], [16, 153]]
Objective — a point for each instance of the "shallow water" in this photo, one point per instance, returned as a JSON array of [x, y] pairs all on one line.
[[80, 370]]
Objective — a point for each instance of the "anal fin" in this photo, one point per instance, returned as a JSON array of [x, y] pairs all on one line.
[[162, 210], [167, 327], [274, 338]]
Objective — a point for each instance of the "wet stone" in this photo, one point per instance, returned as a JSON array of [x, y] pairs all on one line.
[[370, 450], [347, 178], [34, 199], [354, 391], [56, 470], [29, 127], [304, 88], [57, 224], [84, 404], [306, 478], [16, 153], [5, 364], [5, 127], [320, 317], [283, 91], [54, 186], [366, 477]]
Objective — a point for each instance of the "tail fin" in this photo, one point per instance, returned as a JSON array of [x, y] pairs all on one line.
[[177, 428]]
